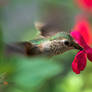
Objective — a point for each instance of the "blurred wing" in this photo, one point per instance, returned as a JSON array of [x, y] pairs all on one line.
[[56, 19], [19, 48], [45, 30]]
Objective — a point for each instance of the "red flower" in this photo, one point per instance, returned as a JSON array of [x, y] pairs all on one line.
[[85, 4], [83, 26], [80, 59]]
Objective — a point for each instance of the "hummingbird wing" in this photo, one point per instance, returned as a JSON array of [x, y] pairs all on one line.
[[56, 19], [43, 28], [19, 48], [27, 48]]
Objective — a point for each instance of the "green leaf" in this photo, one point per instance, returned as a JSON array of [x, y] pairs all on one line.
[[35, 71]]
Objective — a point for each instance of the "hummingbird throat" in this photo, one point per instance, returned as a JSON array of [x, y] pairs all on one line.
[[54, 47]]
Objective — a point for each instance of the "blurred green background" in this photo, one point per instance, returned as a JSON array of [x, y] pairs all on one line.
[[22, 74]]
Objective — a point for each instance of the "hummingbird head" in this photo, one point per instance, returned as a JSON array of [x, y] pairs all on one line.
[[69, 42]]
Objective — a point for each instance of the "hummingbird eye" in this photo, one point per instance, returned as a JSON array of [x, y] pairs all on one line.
[[66, 42]]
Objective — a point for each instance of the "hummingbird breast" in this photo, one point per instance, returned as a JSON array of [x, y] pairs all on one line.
[[54, 47], [57, 47]]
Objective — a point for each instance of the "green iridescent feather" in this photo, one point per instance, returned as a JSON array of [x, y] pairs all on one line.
[[55, 37]]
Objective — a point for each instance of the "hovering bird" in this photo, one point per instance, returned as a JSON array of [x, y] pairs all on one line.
[[46, 44]]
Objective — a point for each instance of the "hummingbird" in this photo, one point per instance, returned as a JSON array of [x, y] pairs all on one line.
[[46, 44]]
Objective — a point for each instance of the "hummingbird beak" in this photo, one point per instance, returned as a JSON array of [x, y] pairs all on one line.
[[77, 46]]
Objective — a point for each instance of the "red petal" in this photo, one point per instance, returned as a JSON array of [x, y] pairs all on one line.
[[83, 26], [89, 53], [79, 62], [78, 37], [75, 66], [85, 4]]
